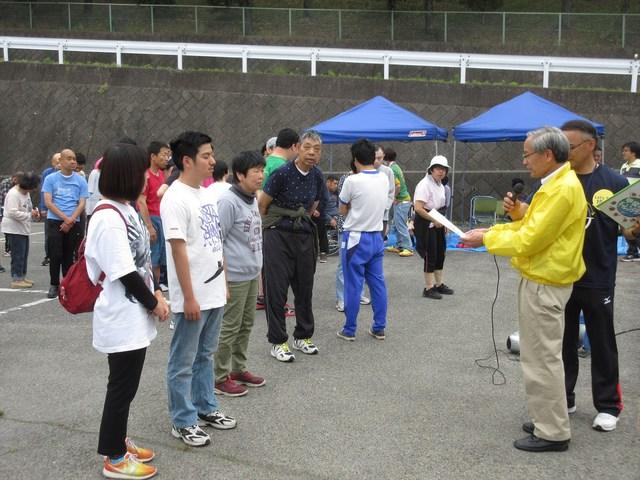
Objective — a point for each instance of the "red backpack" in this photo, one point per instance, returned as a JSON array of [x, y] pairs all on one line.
[[77, 293]]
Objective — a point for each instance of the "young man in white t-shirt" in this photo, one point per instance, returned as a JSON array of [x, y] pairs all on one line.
[[363, 201], [197, 287]]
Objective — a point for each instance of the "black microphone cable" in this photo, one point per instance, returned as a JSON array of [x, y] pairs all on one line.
[[497, 376]]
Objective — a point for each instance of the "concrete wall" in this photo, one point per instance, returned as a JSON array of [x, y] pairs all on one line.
[[46, 107]]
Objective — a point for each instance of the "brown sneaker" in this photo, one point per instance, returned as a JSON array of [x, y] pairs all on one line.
[[230, 388], [20, 284], [247, 378]]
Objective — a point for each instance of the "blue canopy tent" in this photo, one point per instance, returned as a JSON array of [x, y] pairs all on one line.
[[378, 120], [511, 121]]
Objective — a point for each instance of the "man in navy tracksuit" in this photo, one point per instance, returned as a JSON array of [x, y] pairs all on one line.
[[363, 200], [593, 294]]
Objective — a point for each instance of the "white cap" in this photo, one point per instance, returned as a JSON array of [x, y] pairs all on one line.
[[271, 143], [440, 160]]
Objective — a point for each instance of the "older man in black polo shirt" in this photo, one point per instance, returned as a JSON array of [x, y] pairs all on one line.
[[287, 202]]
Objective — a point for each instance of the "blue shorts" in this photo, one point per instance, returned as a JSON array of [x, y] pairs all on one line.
[[158, 248]]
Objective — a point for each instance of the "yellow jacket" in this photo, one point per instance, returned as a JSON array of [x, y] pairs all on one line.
[[546, 245]]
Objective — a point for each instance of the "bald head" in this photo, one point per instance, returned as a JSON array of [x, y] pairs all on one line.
[[55, 160], [68, 162]]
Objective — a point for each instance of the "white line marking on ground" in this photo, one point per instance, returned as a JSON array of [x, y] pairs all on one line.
[[26, 305], [22, 290]]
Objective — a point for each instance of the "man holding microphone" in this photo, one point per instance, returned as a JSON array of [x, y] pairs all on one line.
[[546, 248]]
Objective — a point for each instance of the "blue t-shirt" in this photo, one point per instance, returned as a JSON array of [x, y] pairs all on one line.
[[66, 192], [45, 173], [290, 189]]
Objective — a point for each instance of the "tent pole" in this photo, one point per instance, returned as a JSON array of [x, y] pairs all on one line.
[[603, 160], [436, 142], [453, 177]]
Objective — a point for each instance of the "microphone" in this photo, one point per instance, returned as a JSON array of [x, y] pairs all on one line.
[[518, 188]]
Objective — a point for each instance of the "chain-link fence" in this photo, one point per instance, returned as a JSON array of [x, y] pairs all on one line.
[[474, 28]]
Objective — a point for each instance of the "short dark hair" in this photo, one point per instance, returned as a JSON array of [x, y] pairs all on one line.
[[29, 181], [390, 154], [155, 146], [287, 137], [363, 151], [580, 126], [122, 172], [634, 147], [333, 178], [245, 161], [80, 158], [187, 144], [220, 169], [263, 149]]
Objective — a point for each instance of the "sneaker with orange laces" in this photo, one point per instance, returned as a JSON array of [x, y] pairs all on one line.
[[143, 455], [129, 469]]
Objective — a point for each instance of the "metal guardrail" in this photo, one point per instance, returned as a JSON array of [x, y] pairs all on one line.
[[610, 29], [386, 58]]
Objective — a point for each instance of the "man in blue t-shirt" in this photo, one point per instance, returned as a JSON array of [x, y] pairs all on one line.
[[287, 203], [65, 194], [52, 168]]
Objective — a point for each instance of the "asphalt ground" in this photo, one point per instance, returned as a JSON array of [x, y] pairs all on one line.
[[412, 406]]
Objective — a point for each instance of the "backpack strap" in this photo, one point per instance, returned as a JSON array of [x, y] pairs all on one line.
[[108, 206]]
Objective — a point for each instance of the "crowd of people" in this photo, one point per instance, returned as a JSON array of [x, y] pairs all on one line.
[[166, 219]]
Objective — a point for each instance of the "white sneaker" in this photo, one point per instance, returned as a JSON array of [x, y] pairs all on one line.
[[605, 422], [572, 410], [305, 345], [193, 436], [340, 306], [281, 352], [163, 288], [365, 300]]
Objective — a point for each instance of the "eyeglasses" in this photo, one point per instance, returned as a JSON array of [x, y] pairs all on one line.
[[573, 147], [526, 155]]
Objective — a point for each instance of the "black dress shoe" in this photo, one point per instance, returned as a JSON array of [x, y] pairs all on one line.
[[536, 444], [53, 291], [528, 427]]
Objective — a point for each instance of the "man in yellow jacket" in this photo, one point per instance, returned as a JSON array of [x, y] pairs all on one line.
[[546, 248]]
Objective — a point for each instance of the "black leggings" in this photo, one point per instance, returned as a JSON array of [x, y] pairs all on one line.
[[125, 369]]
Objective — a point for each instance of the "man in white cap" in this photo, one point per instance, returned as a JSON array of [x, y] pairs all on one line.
[[431, 243]]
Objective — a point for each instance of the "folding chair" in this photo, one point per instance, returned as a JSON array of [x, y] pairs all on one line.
[[482, 211]]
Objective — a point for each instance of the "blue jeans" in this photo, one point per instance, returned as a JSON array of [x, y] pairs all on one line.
[[364, 260], [19, 255], [400, 217], [190, 369]]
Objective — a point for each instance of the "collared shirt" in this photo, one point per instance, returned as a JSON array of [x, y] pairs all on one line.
[[432, 193]]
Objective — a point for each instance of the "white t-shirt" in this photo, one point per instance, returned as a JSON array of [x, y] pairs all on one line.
[[430, 192], [218, 187], [191, 214], [120, 323], [367, 193], [94, 192], [17, 212]]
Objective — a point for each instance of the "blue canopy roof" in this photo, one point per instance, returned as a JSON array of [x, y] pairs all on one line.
[[378, 119], [511, 120]]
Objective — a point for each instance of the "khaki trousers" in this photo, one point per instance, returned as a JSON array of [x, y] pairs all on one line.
[[239, 314], [541, 318]]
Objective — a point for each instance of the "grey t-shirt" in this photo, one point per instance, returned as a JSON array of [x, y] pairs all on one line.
[[241, 227]]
